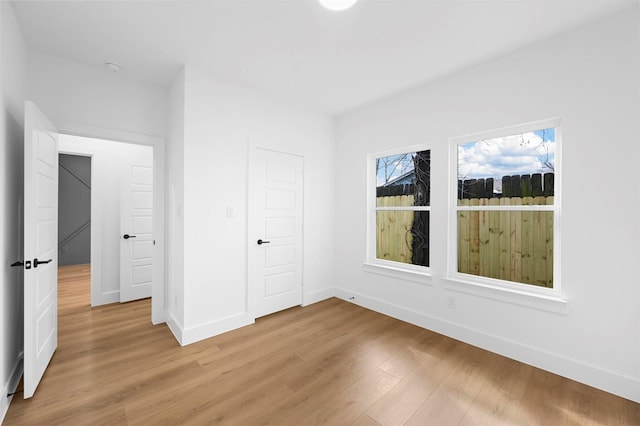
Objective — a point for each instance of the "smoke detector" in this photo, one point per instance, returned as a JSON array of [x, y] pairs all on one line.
[[112, 66]]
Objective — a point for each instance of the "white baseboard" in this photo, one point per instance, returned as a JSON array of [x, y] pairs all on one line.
[[10, 387], [106, 298], [608, 381], [205, 331], [318, 296], [175, 327]]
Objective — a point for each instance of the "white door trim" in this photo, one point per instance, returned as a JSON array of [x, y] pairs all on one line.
[[95, 243], [158, 306], [253, 145]]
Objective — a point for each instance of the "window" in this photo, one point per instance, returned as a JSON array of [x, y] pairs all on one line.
[[506, 205], [400, 200]]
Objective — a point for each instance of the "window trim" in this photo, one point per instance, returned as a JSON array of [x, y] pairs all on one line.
[[493, 288], [407, 271]]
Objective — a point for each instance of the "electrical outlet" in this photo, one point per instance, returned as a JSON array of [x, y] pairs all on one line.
[[230, 212], [451, 301]]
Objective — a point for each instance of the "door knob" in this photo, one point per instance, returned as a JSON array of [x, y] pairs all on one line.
[[37, 262], [261, 242], [127, 236]]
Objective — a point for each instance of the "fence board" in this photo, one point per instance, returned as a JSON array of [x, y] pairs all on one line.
[[464, 239], [381, 231], [515, 257], [526, 228], [474, 238], [483, 239], [540, 244], [494, 240], [549, 240], [505, 241]]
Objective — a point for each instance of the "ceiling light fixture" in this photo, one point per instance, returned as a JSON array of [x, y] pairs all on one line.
[[112, 66], [337, 5]]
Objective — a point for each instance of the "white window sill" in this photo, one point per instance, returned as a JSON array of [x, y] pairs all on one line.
[[421, 277], [544, 302]]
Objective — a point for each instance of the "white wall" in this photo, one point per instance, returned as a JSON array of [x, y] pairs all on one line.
[[219, 121], [175, 204], [110, 161], [589, 78], [69, 92], [12, 87]]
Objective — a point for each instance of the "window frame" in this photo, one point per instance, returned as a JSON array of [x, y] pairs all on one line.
[[407, 271], [521, 293]]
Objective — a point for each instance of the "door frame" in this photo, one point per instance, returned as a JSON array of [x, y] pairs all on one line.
[[252, 231], [158, 292]]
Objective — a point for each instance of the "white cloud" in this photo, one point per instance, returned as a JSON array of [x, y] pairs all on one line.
[[511, 155]]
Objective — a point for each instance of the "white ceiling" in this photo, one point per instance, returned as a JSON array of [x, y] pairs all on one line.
[[329, 61]]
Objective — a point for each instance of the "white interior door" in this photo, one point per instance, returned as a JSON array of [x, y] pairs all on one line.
[[40, 245], [275, 248], [136, 224]]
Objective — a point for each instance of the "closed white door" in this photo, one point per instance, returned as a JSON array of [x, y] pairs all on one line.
[[40, 245], [275, 245], [136, 225]]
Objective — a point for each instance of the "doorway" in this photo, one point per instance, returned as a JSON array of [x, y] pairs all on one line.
[[121, 247], [74, 227]]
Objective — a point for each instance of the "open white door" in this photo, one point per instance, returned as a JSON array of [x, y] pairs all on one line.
[[40, 245], [275, 248], [136, 224]]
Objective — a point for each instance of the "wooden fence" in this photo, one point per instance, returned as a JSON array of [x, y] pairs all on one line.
[[394, 240], [509, 245]]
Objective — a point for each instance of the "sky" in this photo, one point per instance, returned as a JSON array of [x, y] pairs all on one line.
[[519, 154], [393, 166]]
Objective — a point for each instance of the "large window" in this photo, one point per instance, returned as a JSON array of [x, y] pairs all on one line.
[[506, 205], [400, 201]]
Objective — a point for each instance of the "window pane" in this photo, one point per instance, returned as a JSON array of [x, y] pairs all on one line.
[[403, 236], [508, 245], [520, 167], [404, 179]]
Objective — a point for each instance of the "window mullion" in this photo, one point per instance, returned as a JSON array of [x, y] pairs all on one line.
[[405, 208], [521, 208]]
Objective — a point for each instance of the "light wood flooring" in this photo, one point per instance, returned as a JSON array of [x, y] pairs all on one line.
[[329, 363]]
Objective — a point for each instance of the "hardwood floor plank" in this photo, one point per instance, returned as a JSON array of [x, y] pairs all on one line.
[[498, 401], [402, 401], [365, 420], [451, 400], [329, 363], [347, 406]]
